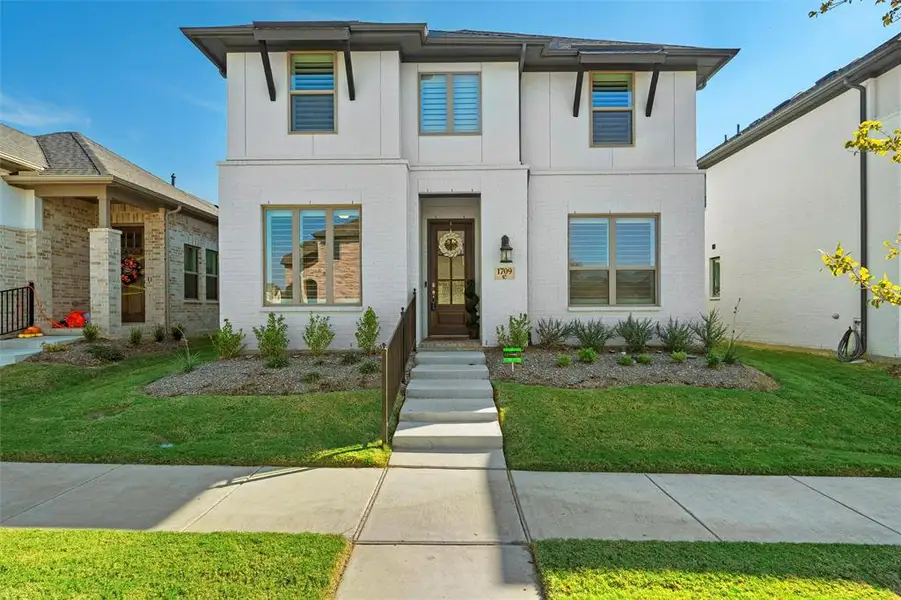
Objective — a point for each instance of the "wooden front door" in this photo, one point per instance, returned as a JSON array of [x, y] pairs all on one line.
[[133, 294], [451, 255]]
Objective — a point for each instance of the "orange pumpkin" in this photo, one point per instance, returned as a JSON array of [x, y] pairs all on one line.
[[32, 329]]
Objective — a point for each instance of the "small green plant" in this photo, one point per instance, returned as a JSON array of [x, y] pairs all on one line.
[[90, 332], [710, 330], [644, 359], [135, 335], [159, 333], [53, 347], [311, 377], [730, 356], [105, 353], [318, 334], [564, 360], [636, 333], [368, 330], [588, 355], [350, 358], [678, 357], [516, 334], [279, 361], [592, 334], [228, 342], [675, 335], [177, 332], [552, 333], [188, 359], [713, 360], [369, 367], [272, 339], [625, 360]]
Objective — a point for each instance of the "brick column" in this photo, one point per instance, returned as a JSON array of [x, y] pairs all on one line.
[[106, 286]]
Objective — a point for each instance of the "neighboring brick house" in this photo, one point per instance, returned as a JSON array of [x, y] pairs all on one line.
[[72, 210]]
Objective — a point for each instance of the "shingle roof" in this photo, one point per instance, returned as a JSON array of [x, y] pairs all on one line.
[[21, 147], [554, 42]]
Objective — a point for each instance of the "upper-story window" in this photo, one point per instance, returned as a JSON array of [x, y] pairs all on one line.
[[312, 88], [611, 109], [449, 103]]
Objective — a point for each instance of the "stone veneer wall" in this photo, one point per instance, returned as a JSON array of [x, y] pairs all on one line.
[[66, 222]]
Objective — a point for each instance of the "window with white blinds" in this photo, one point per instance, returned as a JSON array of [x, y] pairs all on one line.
[[312, 92], [612, 261], [449, 103], [611, 109]]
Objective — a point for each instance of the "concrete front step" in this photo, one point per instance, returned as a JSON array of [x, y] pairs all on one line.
[[428, 357], [456, 410], [437, 459], [448, 436], [430, 371], [450, 388]]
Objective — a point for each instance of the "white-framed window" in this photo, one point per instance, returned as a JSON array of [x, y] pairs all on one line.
[[613, 260], [450, 103], [312, 92], [317, 246], [612, 101]]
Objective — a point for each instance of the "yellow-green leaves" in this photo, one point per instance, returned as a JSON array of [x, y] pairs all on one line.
[[883, 291]]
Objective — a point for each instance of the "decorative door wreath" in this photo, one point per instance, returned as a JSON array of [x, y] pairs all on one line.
[[131, 270], [451, 244]]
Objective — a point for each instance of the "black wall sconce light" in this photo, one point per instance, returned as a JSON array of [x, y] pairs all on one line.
[[506, 250]]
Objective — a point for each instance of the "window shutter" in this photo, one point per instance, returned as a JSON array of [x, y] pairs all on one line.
[[635, 243], [313, 97], [466, 102], [313, 113], [609, 128], [611, 104], [589, 242], [433, 103]]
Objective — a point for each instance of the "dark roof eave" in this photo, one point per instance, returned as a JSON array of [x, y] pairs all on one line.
[[211, 216]]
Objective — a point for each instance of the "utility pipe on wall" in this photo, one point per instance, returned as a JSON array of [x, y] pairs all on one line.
[[864, 241]]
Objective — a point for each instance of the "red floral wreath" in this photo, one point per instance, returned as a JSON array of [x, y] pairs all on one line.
[[131, 270]]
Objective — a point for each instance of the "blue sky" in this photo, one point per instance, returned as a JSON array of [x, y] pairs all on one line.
[[122, 73]]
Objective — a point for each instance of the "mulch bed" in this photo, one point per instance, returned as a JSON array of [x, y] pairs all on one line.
[[539, 367], [248, 376], [77, 353]]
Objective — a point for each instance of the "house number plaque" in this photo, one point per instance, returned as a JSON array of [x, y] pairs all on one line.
[[504, 273]]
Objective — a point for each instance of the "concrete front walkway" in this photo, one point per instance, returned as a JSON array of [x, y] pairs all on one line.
[[450, 533]]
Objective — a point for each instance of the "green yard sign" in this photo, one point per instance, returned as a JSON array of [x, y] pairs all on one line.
[[513, 356]]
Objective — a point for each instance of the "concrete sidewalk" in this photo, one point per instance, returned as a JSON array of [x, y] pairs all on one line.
[[461, 531]]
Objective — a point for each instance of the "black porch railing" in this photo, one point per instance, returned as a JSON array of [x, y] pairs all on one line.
[[395, 354], [16, 309]]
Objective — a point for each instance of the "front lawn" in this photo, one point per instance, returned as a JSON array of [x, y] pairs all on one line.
[[687, 570], [64, 413], [94, 564], [827, 418]]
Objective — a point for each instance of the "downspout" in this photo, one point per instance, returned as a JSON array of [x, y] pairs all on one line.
[[864, 242], [166, 307]]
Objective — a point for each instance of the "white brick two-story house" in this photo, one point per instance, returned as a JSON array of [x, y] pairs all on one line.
[[413, 153]]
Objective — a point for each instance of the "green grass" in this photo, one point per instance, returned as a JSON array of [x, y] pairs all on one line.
[[61, 413], [115, 564], [696, 570], [826, 419]]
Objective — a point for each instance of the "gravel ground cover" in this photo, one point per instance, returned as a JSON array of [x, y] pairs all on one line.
[[78, 352], [539, 367]]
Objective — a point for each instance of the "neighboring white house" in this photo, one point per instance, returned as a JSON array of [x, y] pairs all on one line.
[[366, 160], [785, 188]]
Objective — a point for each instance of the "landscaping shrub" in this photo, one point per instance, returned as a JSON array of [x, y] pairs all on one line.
[[228, 342], [369, 367], [730, 356], [318, 334], [278, 361], [516, 334], [713, 360], [678, 357], [54, 347], [178, 332], [272, 339], [187, 358], [636, 332], [135, 335], [368, 330], [588, 355], [552, 333], [644, 359], [592, 334], [159, 333], [675, 335], [105, 353], [90, 332], [625, 360], [710, 330], [311, 377], [564, 360], [350, 358]]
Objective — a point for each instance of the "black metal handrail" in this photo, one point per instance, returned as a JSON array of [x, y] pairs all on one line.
[[16, 309], [395, 354]]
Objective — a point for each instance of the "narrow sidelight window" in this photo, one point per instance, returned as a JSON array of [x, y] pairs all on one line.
[[715, 277], [312, 78], [192, 272], [449, 103], [211, 264], [611, 109]]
